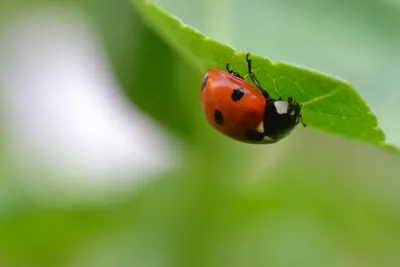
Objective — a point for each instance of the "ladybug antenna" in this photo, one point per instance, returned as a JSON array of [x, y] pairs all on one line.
[[301, 120]]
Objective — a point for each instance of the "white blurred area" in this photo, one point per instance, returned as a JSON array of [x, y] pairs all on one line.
[[70, 133]]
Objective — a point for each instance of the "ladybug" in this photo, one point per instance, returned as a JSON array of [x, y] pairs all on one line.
[[245, 112]]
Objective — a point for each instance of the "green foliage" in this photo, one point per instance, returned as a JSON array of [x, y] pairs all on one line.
[[329, 104], [311, 200]]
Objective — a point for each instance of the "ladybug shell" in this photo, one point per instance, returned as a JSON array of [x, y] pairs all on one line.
[[232, 105]]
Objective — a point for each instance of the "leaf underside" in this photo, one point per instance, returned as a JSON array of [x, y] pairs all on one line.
[[329, 104]]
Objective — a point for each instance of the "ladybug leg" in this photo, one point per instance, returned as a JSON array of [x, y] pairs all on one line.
[[234, 73], [253, 77]]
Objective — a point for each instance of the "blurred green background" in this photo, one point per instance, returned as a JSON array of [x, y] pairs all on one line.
[[171, 191]]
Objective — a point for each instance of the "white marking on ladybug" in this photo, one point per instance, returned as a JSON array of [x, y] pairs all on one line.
[[281, 106], [269, 139], [260, 127]]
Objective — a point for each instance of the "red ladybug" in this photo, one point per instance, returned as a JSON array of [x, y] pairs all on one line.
[[241, 111]]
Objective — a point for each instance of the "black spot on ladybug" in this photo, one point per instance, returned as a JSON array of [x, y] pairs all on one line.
[[204, 82], [218, 118], [237, 94], [254, 136]]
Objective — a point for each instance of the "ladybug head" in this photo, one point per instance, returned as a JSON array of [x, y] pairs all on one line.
[[294, 110], [289, 109]]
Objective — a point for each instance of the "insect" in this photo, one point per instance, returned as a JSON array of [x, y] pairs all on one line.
[[245, 112]]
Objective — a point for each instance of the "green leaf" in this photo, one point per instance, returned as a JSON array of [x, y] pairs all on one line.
[[329, 104]]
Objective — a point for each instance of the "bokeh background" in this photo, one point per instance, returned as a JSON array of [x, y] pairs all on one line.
[[106, 159]]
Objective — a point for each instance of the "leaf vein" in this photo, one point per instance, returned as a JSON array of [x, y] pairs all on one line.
[[322, 97]]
